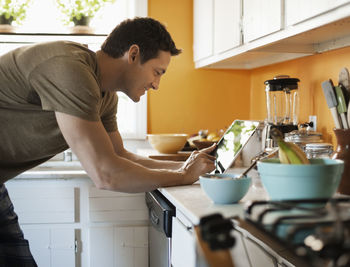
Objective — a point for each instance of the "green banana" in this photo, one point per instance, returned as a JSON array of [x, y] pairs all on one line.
[[289, 153]]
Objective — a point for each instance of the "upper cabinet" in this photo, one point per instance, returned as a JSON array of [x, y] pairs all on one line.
[[261, 18], [245, 34], [203, 29], [227, 25], [217, 27]]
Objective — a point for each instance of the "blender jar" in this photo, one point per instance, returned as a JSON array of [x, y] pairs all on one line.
[[282, 100]]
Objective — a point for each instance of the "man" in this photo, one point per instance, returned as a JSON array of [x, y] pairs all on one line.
[[60, 94]]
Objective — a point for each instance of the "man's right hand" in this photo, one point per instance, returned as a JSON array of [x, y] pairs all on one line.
[[199, 163]]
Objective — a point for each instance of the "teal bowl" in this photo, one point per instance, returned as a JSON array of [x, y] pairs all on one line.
[[225, 189], [320, 179]]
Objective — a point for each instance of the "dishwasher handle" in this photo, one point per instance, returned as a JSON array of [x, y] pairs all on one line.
[[161, 211], [154, 218]]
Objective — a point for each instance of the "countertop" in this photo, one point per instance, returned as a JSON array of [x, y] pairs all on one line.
[[191, 200]]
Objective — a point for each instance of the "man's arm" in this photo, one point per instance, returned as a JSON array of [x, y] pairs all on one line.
[[147, 162], [108, 170]]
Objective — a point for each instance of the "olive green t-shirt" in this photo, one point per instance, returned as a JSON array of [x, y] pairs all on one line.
[[36, 81]]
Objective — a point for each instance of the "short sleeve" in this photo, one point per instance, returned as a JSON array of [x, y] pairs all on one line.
[[69, 85], [108, 118]]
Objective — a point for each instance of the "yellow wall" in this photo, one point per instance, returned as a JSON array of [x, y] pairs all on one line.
[[311, 71], [191, 99]]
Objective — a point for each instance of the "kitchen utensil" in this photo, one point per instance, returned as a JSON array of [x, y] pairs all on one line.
[[344, 78], [224, 188], [331, 101], [342, 106], [320, 179], [167, 143], [262, 156], [349, 114]]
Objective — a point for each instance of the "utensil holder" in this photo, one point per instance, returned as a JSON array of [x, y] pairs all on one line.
[[343, 152]]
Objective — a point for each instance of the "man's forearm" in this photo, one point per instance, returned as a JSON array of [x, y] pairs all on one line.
[[152, 163]]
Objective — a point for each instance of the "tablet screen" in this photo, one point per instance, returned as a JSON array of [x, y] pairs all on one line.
[[232, 142]]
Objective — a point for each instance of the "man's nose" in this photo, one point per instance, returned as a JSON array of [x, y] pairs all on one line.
[[155, 84]]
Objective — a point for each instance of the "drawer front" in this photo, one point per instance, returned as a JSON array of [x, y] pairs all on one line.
[[43, 204], [108, 206]]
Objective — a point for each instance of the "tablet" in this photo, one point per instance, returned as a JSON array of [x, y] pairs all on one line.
[[232, 143]]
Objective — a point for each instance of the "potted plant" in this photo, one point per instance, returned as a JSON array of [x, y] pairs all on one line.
[[78, 13], [12, 13]]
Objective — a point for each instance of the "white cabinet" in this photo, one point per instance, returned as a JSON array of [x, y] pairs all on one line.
[[47, 214], [54, 247], [71, 223], [203, 21], [217, 27], [299, 10], [246, 34], [119, 246], [227, 25], [183, 246], [116, 242], [261, 18]]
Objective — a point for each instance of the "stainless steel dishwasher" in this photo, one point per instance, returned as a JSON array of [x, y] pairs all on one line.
[[160, 212]]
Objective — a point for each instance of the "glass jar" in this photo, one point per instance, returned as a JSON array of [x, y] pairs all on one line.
[[318, 150], [303, 137]]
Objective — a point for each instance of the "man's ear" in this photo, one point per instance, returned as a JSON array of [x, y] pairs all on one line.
[[134, 53]]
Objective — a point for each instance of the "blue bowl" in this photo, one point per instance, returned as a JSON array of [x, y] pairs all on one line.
[[225, 189], [320, 179]]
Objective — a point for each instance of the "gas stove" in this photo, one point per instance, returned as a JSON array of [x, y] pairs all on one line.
[[316, 232]]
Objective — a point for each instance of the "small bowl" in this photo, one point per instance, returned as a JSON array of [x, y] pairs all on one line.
[[320, 179], [226, 189], [202, 144], [167, 143]]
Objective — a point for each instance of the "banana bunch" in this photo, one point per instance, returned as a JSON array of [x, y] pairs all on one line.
[[289, 153]]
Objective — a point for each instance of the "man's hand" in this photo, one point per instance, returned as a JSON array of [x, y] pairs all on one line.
[[200, 162]]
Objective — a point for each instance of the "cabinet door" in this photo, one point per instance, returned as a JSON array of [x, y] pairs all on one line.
[[258, 256], [52, 247], [112, 246], [203, 22], [183, 246], [227, 25], [299, 10], [261, 18]]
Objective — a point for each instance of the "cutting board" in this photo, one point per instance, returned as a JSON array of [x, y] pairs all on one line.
[[180, 156]]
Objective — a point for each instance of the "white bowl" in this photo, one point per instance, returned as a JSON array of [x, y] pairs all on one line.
[[167, 143]]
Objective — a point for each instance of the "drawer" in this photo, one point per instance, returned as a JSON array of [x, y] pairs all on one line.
[[109, 206], [43, 204]]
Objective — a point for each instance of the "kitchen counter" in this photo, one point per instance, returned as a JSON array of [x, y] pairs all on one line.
[[192, 202]]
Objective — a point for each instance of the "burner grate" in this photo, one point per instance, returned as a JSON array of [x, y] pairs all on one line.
[[317, 230]]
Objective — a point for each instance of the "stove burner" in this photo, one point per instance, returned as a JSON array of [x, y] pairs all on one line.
[[316, 230]]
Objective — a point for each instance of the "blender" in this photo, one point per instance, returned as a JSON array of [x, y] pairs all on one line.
[[282, 104]]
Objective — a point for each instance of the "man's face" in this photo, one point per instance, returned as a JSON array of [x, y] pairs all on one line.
[[142, 77]]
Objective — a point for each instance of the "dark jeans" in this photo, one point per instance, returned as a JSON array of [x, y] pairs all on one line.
[[14, 249]]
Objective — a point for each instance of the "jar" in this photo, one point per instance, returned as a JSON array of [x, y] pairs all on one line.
[[303, 137], [318, 150], [343, 152]]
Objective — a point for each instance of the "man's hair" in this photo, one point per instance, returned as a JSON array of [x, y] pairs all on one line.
[[149, 34]]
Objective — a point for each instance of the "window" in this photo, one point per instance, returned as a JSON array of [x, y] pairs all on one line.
[[47, 26]]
